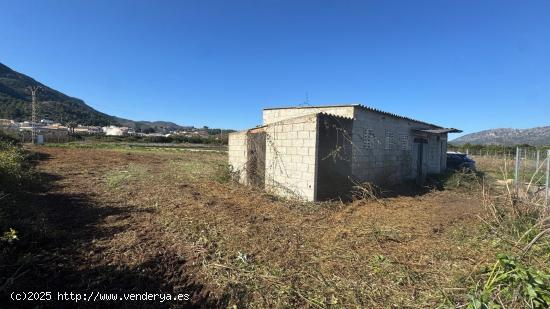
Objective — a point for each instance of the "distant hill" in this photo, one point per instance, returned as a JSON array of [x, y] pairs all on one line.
[[54, 105], [535, 136]]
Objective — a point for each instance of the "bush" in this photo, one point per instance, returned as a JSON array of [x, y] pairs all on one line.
[[8, 139], [224, 173], [512, 284], [157, 139], [15, 167], [462, 179], [15, 171]]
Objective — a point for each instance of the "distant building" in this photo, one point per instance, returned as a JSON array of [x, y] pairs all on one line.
[[155, 134], [88, 129], [27, 126], [115, 131], [193, 133], [46, 122], [6, 122], [58, 126], [321, 152]]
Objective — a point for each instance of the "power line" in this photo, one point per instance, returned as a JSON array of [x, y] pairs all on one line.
[[33, 90]]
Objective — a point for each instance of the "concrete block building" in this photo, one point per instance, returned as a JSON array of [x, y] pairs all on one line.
[[319, 152]]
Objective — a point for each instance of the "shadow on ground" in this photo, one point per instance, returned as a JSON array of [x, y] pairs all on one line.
[[55, 253]]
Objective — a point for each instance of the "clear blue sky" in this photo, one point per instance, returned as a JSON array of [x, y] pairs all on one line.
[[468, 64]]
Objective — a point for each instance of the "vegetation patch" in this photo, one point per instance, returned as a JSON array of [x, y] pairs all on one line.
[[17, 175], [15, 165], [511, 284], [125, 176], [517, 224]]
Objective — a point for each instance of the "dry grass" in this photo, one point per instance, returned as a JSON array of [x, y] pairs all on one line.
[[501, 169], [518, 223], [250, 249]]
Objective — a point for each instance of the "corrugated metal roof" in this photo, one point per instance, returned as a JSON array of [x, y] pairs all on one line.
[[360, 106]]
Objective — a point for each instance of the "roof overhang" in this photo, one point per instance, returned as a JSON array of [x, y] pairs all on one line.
[[313, 106], [439, 131]]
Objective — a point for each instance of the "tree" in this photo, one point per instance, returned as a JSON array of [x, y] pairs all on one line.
[[72, 125]]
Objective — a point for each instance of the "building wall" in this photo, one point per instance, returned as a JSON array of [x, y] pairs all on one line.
[[275, 115], [384, 152], [291, 157], [237, 152]]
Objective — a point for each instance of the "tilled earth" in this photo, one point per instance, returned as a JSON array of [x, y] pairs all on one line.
[[121, 220]]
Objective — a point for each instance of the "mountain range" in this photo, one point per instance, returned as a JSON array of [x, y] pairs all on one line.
[[53, 105], [538, 136]]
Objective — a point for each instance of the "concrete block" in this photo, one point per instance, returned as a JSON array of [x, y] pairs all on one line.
[[309, 142], [310, 126], [298, 127], [303, 134], [297, 142], [308, 159]]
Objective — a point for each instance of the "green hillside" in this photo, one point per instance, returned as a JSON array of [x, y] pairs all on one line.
[[15, 103]]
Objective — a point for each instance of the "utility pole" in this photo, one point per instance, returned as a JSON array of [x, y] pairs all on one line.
[[33, 90]]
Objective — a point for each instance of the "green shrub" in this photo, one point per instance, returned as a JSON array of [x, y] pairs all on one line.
[[15, 167], [8, 139], [157, 139], [510, 284], [224, 173]]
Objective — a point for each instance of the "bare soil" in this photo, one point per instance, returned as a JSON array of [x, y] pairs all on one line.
[[122, 220]]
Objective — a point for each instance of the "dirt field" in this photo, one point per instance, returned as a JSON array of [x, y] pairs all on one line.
[[123, 220]]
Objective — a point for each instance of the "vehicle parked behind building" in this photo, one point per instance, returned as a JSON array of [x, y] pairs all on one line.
[[460, 161]]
